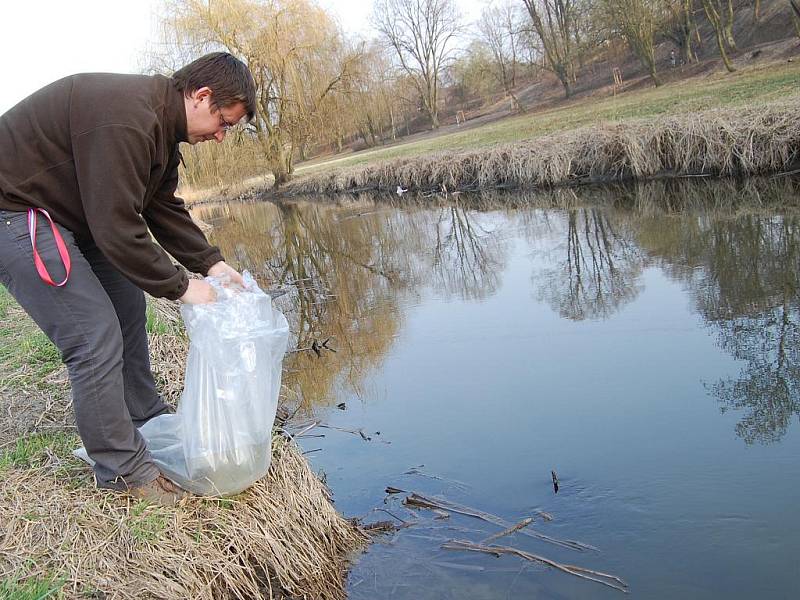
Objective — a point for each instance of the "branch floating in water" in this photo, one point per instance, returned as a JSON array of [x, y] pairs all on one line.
[[606, 579]]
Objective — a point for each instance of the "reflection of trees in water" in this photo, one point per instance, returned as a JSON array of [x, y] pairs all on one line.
[[598, 269], [750, 297], [345, 264], [346, 268], [468, 258], [743, 269], [738, 259], [768, 387], [342, 270]]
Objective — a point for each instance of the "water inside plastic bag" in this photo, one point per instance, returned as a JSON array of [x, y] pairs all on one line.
[[219, 441]]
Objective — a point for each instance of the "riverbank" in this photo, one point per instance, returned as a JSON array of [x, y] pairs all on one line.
[[752, 140], [751, 88], [63, 537]]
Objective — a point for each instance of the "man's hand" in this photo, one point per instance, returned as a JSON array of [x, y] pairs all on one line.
[[223, 270], [199, 292]]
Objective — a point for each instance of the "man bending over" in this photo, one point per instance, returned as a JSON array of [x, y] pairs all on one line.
[[88, 169]]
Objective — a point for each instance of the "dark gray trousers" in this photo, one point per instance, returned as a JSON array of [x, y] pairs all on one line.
[[97, 320]]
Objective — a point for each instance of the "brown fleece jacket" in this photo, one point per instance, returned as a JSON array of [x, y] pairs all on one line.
[[100, 153]]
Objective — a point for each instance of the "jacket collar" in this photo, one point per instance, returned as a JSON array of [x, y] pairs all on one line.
[[176, 112]]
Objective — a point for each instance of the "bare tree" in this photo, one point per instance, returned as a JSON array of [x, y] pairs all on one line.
[[473, 74], [500, 29], [678, 25], [422, 34], [555, 24], [720, 14], [637, 21]]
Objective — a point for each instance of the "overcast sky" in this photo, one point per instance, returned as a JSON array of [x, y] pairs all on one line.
[[44, 40]]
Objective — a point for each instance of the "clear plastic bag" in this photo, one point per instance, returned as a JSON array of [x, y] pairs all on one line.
[[218, 442]]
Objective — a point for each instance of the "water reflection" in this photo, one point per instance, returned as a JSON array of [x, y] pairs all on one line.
[[742, 271], [343, 279], [350, 267], [468, 253], [598, 269]]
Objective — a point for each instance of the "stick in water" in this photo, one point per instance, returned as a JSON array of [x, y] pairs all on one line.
[[606, 579]]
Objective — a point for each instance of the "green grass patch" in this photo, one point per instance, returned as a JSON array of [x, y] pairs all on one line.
[[27, 356], [155, 324], [6, 302], [749, 86], [34, 450], [159, 324], [147, 522], [31, 588]]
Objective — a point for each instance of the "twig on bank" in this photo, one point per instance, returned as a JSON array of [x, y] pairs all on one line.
[[606, 579]]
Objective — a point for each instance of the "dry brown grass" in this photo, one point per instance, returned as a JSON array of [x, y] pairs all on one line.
[[281, 534], [743, 141]]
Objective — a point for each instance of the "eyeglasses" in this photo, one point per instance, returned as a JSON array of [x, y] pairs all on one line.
[[224, 124]]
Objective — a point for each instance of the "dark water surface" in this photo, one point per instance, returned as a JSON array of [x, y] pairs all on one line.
[[644, 343]]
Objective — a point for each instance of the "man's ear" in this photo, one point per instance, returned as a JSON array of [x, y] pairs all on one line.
[[200, 94]]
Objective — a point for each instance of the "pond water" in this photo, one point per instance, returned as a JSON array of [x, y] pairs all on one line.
[[642, 342]]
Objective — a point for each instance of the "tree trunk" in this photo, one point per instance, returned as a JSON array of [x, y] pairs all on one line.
[[723, 53], [651, 67], [729, 28], [304, 150], [564, 78], [795, 17], [720, 31], [688, 26], [567, 88], [276, 156]]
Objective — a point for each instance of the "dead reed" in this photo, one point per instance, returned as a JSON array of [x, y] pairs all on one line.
[[281, 535], [721, 142]]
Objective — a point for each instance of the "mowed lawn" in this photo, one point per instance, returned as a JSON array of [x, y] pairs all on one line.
[[747, 86]]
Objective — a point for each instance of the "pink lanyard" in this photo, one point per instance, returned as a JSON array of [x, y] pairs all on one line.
[[62, 248]]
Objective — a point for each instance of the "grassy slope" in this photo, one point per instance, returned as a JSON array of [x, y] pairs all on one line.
[[763, 84]]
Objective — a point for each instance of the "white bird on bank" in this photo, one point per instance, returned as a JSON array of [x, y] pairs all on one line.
[[400, 190]]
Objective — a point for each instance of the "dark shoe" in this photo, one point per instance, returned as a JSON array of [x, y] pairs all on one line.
[[160, 491]]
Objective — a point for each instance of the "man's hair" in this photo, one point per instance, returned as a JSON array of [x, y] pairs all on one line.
[[228, 78]]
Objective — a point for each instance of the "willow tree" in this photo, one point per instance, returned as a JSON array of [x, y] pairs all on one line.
[[370, 104], [555, 24], [422, 34], [294, 50], [637, 22]]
